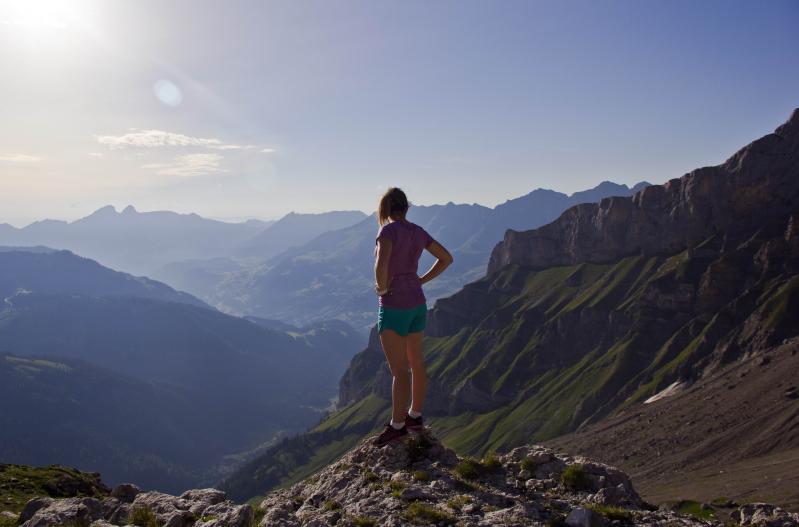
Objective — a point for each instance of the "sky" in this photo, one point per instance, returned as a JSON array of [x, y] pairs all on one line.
[[252, 109]]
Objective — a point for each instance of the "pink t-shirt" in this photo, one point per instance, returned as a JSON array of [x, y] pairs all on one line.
[[408, 240]]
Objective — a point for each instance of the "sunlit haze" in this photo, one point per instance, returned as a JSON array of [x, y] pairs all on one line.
[[245, 109]]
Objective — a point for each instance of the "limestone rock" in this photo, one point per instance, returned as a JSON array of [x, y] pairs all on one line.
[[377, 485], [226, 514], [764, 515], [68, 510], [126, 492], [32, 507], [581, 517]]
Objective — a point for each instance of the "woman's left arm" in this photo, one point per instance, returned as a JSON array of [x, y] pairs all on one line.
[[381, 266]]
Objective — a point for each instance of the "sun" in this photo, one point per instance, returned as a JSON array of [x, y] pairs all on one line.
[[42, 14]]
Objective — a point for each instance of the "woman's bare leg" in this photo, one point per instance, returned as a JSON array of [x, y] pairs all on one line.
[[394, 347], [413, 351]]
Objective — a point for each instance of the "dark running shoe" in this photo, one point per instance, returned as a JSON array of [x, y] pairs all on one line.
[[390, 434], [414, 424]]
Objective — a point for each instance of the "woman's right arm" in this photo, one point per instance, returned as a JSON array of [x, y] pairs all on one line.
[[444, 260]]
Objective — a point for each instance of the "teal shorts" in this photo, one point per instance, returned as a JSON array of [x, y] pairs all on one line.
[[403, 321]]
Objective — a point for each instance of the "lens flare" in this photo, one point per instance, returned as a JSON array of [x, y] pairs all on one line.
[[167, 92]]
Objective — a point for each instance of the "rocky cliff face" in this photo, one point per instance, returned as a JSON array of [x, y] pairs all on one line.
[[757, 185]]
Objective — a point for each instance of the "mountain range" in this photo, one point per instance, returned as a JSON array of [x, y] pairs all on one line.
[[302, 268], [80, 339], [332, 275], [617, 305], [144, 242]]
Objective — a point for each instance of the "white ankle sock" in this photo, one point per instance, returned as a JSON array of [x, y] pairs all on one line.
[[415, 415], [397, 426]]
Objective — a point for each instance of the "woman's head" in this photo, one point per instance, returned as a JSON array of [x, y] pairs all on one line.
[[393, 204]]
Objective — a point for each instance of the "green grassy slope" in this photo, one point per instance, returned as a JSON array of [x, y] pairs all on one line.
[[20, 483]]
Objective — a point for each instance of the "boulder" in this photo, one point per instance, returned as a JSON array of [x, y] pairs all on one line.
[[64, 511], [764, 515], [209, 496], [582, 517], [32, 506], [170, 511], [126, 492], [226, 514], [415, 493]]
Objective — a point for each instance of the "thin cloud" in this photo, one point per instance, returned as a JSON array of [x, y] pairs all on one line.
[[190, 165], [95, 154], [160, 138], [268, 150], [19, 158]]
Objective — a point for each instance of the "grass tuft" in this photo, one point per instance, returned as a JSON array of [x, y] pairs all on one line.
[[575, 478], [396, 488], [422, 514], [612, 513], [528, 464], [331, 505], [421, 475], [491, 462], [695, 509], [143, 517], [469, 468], [458, 502]]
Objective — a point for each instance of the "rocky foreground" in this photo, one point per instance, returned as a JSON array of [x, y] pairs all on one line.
[[415, 482]]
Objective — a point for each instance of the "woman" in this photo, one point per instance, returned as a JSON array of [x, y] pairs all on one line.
[[402, 308]]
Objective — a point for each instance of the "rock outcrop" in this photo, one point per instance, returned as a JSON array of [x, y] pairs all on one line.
[[753, 187], [421, 482], [417, 481], [128, 505]]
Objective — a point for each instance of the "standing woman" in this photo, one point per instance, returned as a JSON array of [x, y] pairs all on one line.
[[402, 311]]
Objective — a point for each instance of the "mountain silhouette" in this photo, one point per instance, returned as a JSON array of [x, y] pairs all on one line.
[[45, 270], [331, 275], [136, 242]]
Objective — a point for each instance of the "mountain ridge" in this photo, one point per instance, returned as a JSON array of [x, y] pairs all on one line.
[[662, 219], [295, 286], [42, 269]]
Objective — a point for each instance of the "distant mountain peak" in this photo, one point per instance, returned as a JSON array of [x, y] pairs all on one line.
[[789, 126], [607, 184], [104, 211], [130, 209]]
